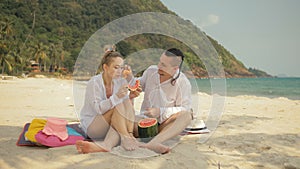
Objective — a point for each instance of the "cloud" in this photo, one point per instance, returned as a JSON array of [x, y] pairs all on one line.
[[209, 21]]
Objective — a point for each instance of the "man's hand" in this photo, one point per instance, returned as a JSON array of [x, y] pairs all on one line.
[[136, 93], [152, 112]]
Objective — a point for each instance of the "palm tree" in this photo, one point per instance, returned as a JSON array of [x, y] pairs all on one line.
[[20, 59], [53, 55], [45, 59], [6, 29], [40, 55], [5, 61], [61, 57], [5, 45]]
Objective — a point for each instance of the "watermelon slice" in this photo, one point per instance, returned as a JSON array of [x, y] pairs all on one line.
[[135, 86], [147, 128]]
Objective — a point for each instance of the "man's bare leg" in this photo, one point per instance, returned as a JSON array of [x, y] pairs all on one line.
[[172, 128]]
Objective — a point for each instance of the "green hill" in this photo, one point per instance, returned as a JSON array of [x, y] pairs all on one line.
[[52, 33]]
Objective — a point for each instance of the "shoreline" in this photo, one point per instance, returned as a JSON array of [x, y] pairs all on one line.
[[228, 94], [254, 132]]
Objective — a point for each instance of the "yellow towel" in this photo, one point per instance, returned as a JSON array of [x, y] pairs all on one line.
[[35, 126]]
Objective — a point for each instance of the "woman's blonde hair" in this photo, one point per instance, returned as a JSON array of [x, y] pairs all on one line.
[[109, 55]]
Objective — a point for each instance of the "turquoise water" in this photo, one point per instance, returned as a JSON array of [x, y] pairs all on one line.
[[266, 87]]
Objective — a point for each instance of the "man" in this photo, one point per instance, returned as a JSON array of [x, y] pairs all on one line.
[[167, 97]]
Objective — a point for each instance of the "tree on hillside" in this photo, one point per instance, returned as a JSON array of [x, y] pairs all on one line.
[[6, 44], [40, 55], [5, 61], [6, 29], [56, 56]]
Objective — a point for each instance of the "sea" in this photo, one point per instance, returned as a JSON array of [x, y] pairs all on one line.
[[263, 87]]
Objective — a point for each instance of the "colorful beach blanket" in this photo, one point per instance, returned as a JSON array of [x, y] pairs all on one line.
[[76, 133], [74, 130]]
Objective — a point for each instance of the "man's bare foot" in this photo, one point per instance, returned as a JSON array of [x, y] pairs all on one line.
[[129, 143], [157, 147], [89, 147]]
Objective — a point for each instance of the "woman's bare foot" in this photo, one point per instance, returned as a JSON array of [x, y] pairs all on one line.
[[157, 147], [129, 143], [89, 147]]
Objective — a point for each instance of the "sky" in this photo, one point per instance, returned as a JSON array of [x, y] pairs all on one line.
[[262, 34]]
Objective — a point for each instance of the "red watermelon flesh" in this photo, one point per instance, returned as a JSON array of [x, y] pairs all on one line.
[[135, 86], [148, 122]]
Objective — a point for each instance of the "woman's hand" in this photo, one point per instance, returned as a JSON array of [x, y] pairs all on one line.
[[123, 90]]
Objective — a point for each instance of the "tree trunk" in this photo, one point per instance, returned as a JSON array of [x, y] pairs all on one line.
[[3, 67], [45, 67]]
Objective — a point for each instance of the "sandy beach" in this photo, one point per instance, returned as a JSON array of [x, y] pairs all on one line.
[[254, 132]]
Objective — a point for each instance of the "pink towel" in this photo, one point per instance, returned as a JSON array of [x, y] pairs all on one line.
[[54, 141]]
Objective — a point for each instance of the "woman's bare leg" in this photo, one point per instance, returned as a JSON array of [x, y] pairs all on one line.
[[123, 122], [135, 127], [111, 140], [115, 125], [100, 128]]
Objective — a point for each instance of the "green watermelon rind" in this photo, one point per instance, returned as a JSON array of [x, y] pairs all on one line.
[[147, 133]]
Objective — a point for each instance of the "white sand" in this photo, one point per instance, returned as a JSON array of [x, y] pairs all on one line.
[[254, 132]]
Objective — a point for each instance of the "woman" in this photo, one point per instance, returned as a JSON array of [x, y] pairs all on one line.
[[107, 112]]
